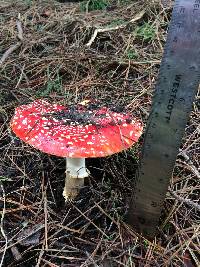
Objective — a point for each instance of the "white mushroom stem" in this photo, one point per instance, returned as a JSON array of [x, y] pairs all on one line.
[[76, 167], [75, 174]]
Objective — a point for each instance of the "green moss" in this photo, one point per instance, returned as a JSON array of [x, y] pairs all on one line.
[[146, 32], [94, 5], [131, 54], [53, 85]]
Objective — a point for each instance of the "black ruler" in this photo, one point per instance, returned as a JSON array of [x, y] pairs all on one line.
[[175, 91]]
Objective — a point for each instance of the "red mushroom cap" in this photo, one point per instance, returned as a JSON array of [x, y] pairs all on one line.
[[84, 131]]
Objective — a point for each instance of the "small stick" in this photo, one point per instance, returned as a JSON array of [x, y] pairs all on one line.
[[1, 226], [190, 163], [45, 220], [186, 201], [137, 17], [9, 51], [34, 230], [40, 257], [88, 219], [15, 46], [20, 31]]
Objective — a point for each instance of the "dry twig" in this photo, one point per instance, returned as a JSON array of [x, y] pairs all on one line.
[[15, 46], [190, 163], [108, 29], [2, 227], [185, 201]]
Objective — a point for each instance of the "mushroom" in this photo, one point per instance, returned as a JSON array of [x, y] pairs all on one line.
[[85, 130]]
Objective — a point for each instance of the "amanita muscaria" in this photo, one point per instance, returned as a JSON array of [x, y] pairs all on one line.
[[85, 130]]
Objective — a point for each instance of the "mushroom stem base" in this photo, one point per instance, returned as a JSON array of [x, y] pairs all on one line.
[[72, 186]]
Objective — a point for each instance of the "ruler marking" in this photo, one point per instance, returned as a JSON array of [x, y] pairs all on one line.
[[175, 90]]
